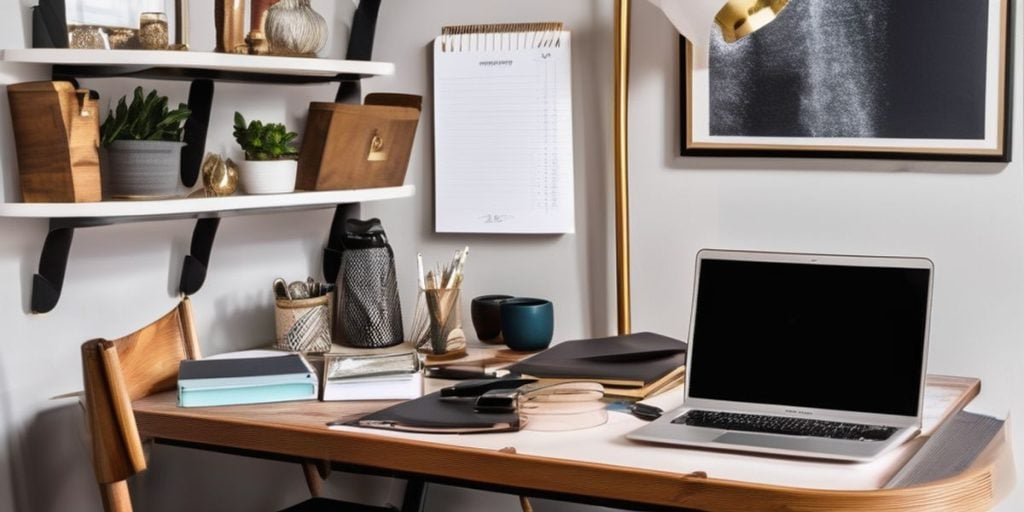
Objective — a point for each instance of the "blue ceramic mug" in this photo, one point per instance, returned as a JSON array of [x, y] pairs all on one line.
[[527, 324]]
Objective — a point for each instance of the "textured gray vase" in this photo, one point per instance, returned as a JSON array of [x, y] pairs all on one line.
[[144, 168]]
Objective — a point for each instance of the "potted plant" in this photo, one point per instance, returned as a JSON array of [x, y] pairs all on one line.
[[143, 142], [270, 156]]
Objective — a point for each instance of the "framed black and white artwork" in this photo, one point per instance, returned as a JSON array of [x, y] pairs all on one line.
[[865, 79]]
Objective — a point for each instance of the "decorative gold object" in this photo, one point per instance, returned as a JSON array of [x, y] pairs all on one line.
[[153, 31], [739, 18], [220, 175], [293, 28], [257, 43], [229, 15]]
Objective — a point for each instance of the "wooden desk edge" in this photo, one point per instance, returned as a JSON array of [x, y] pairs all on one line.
[[972, 490]]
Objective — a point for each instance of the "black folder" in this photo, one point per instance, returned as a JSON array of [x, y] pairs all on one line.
[[438, 415], [631, 360]]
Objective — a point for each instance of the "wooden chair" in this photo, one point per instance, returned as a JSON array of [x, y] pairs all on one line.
[[117, 372]]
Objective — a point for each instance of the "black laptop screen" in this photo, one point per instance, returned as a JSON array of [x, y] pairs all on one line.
[[810, 335]]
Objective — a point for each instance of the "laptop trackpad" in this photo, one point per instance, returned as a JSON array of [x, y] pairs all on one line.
[[812, 444]]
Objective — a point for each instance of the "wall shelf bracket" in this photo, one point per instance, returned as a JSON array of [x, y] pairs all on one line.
[[49, 281], [193, 269]]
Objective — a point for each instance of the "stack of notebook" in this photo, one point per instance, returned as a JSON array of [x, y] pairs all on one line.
[[372, 376], [245, 380], [632, 366]]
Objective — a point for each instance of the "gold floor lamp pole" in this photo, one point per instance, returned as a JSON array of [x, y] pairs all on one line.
[[737, 18], [621, 132]]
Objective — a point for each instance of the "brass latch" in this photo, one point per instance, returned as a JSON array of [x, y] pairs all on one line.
[[377, 153]]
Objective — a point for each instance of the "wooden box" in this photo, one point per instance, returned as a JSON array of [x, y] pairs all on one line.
[[57, 135], [358, 146]]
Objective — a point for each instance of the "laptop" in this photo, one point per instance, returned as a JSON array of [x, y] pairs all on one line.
[[805, 355]]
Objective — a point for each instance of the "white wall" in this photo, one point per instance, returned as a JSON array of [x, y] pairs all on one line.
[[968, 218]]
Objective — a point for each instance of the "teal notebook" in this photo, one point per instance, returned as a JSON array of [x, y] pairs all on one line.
[[204, 383]]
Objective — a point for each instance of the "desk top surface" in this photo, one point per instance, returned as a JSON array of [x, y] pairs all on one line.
[[299, 428]]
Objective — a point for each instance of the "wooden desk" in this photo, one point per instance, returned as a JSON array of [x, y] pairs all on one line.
[[595, 465]]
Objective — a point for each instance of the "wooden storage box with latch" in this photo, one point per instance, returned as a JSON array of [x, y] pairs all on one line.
[[358, 146], [57, 136]]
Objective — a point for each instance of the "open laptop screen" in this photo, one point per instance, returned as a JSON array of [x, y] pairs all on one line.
[[836, 337]]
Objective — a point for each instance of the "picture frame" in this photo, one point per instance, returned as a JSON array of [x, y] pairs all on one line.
[[870, 79]]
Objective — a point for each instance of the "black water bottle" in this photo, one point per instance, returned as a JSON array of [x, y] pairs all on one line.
[[368, 313]]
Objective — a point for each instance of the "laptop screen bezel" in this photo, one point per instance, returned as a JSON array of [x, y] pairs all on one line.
[[809, 412]]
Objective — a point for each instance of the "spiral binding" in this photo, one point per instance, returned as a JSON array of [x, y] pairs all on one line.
[[501, 37]]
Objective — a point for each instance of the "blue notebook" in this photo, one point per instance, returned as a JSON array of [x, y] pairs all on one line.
[[203, 383]]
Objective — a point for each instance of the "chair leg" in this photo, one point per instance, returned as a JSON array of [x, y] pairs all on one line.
[[313, 480], [115, 497]]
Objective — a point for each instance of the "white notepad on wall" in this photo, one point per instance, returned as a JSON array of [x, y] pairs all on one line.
[[503, 139]]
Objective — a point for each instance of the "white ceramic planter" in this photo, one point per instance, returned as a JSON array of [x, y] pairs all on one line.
[[268, 177]]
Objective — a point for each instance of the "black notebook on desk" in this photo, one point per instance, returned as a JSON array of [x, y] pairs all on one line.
[[634, 361], [435, 414]]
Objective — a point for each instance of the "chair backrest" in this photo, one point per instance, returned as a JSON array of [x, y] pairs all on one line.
[[116, 372]]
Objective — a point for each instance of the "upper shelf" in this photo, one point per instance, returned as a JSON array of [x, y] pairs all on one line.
[[113, 211], [188, 65]]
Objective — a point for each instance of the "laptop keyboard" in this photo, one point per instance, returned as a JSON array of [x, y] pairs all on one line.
[[785, 425]]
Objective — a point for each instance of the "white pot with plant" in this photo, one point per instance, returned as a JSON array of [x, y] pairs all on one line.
[[271, 159], [143, 142]]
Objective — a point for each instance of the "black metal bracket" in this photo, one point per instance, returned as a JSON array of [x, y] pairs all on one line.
[[193, 269], [200, 101], [332, 253], [360, 47], [53, 262]]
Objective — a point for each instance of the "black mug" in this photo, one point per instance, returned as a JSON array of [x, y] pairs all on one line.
[[486, 313]]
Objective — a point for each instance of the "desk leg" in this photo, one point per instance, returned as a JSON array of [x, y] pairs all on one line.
[[313, 480], [414, 492]]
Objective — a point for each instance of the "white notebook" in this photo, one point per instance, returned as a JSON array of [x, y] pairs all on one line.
[[503, 129]]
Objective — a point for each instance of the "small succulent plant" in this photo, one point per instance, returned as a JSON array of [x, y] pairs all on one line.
[[146, 118], [270, 141]]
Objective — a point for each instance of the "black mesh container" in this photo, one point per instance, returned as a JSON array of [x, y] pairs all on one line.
[[368, 313]]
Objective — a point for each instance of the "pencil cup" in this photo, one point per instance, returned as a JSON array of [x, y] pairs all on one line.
[[303, 325], [439, 322]]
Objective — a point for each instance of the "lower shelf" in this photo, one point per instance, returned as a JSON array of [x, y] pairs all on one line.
[[219, 206]]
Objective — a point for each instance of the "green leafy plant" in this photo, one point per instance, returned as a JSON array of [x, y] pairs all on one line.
[[271, 141], [147, 118]]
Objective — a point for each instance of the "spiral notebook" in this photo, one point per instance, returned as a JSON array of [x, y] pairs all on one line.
[[503, 129]]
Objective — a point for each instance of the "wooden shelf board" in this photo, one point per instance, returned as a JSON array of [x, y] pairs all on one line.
[[200, 206], [219, 62]]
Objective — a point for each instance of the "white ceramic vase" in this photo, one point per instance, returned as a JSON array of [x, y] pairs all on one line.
[[268, 177]]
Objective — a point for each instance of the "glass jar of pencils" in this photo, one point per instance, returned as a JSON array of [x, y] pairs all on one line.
[[438, 323]]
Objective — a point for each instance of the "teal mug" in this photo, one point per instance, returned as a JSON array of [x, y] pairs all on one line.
[[527, 324]]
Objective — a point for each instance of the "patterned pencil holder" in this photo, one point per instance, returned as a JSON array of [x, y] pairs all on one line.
[[303, 325]]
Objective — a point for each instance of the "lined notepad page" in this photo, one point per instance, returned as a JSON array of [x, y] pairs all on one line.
[[503, 132]]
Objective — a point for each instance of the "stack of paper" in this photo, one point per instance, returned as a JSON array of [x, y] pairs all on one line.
[[634, 366], [250, 380], [362, 376]]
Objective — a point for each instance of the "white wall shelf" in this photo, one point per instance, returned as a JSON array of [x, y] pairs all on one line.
[[108, 212], [191, 65]]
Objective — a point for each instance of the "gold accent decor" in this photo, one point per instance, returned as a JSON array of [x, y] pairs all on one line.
[[740, 18]]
